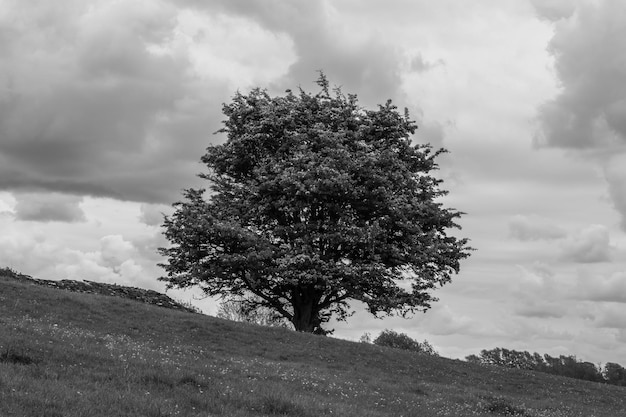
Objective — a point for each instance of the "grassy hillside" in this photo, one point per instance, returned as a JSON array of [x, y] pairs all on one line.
[[69, 354]]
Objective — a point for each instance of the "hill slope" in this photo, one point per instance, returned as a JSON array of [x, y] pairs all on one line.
[[70, 354]]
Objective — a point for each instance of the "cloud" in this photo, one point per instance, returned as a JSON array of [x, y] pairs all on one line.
[[601, 287], [615, 175], [612, 316], [355, 58], [114, 251], [589, 245], [120, 101], [443, 321], [621, 336], [554, 10], [419, 64], [538, 292], [589, 113], [542, 310], [152, 214], [48, 207], [537, 278], [117, 102], [112, 260], [529, 228]]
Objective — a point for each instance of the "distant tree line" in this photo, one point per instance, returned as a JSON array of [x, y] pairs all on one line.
[[569, 366]]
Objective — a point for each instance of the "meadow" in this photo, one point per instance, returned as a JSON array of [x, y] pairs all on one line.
[[66, 354]]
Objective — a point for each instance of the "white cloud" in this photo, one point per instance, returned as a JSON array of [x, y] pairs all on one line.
[[114, 251], [92, 249], [152, 214], [7, 204], [591, 244]]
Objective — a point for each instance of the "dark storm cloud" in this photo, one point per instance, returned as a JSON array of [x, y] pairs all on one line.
[[95, 110], [103, 108], [48, 207]]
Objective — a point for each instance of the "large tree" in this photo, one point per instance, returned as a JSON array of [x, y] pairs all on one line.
[[315, 201]]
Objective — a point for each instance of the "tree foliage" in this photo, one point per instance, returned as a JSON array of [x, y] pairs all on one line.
[[315, 201], [615, 374]]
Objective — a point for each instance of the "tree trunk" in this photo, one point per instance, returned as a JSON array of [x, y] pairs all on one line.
[[305, 312]]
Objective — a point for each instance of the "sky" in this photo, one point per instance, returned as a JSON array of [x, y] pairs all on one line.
[[106, 107]]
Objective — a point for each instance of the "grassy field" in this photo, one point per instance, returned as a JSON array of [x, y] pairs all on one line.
[[65, 354]]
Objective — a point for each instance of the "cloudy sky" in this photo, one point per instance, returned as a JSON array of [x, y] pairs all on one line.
[[106, 107]]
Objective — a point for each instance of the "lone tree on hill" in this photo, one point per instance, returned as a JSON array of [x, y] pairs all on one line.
[[315, 201]]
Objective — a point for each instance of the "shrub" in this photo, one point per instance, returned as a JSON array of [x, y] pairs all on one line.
[[397, 340]]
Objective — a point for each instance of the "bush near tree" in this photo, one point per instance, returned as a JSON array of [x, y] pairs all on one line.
[[314, 202], [393, 339]]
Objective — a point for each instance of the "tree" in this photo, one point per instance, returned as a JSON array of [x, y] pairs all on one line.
[[316, 201], [615, 374], [567, 366]]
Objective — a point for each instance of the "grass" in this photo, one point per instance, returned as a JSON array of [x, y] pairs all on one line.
[[66, 354]]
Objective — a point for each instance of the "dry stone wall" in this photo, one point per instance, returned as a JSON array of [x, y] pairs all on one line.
[[91, 287]]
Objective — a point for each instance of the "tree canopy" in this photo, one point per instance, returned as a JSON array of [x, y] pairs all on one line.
[[315, 201]]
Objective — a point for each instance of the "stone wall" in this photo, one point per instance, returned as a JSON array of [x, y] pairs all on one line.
[[91, 287]]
